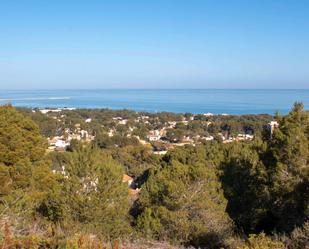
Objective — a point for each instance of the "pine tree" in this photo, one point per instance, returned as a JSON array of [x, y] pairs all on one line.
[[245, 182], [289, 148], [96, 197], [184, 203], [25, 175]]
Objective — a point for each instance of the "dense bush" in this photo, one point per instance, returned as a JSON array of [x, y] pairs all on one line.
[[184, 203]]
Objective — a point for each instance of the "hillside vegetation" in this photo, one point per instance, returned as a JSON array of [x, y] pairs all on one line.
[[246, 195]]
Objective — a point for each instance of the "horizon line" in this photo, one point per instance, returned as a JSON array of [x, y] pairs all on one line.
[[76, 89]]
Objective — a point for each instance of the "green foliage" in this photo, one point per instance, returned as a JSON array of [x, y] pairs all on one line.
[[48, 126], [266, 183], [95, 194], [135, 159], [261, 241], [300, 237], [88, 195], [289, 149], [24, 172], [103, 141], [175, 135], [20, 139], [245, 183], [190, 196], [184, 203]]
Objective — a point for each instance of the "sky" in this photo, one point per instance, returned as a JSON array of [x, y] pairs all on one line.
[[154, 44]]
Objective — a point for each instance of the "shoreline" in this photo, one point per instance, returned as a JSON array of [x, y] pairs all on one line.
[[206, 114]]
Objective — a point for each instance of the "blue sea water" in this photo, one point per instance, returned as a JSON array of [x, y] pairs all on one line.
[[236, 101]]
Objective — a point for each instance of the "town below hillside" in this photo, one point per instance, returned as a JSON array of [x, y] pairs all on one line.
[[160, 131], [156, 133]]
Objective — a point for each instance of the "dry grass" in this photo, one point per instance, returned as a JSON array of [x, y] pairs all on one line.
[[33, 238]]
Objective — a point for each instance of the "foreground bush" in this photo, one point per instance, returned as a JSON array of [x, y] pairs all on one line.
[[184, 204], [261, 241], [300, 238]]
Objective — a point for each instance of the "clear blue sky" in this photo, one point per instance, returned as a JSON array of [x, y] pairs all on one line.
[[154, 44]]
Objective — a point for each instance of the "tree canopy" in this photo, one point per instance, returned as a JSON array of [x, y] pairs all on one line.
[[184, 202]]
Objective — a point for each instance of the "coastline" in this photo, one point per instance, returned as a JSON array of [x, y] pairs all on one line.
[[217, 101]]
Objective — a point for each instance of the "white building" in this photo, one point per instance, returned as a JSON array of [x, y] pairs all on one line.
[[209, 138], [61, 144], [44, 111], [162, 152], [84, 134], [271, 126], [111, 133], [208, 114], [123, 122], [154, 137]]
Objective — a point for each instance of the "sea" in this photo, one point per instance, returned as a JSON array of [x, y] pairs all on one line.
[[216, 101]]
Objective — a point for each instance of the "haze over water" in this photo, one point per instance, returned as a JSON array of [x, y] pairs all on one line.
[[229, 101]]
